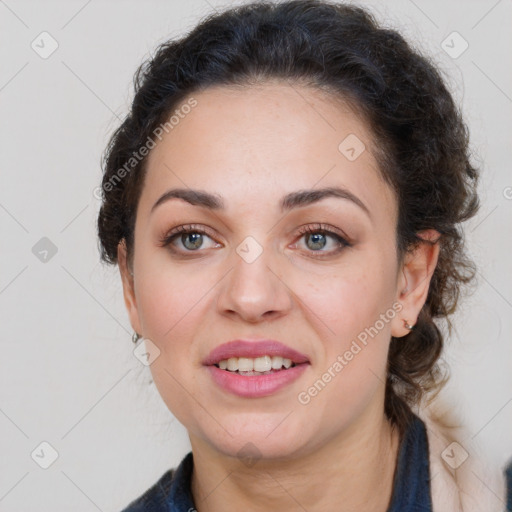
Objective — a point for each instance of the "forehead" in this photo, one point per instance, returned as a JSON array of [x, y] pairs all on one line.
[[260, 142]]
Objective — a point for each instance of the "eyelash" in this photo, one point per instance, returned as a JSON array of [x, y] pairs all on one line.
[[304, 230]]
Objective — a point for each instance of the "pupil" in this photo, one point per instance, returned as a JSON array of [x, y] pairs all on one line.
[[196, 236], [315, 235]]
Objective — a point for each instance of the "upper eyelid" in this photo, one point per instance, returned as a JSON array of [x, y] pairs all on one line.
[[313, 226], [322, 227]]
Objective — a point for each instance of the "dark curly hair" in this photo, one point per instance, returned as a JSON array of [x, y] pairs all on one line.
[[423, 141]]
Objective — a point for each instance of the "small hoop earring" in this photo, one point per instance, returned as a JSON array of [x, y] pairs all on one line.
[[407, 326], [136, 337]]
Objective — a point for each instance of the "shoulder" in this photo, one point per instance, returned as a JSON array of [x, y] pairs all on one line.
[[171, 491], [462, 480], [154, 498]]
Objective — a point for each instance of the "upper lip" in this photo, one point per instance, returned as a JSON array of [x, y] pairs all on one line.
[[252, 349]]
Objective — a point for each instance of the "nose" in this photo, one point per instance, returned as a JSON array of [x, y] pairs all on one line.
[[253, 290]]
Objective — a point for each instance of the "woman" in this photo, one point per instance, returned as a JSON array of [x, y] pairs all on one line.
[[284, 202]]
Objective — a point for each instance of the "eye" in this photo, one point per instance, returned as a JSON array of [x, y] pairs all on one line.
[[317, 238], [191, 237]]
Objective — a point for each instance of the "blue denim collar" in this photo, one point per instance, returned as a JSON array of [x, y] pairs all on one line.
[[411, 487]]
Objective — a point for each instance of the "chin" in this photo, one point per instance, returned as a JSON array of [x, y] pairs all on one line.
[[253, 439], [249, 449]]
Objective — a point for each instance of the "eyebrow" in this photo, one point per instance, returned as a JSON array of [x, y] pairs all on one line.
[[288, 202]]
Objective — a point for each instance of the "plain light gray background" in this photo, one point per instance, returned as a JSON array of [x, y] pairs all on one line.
[[68, 375]]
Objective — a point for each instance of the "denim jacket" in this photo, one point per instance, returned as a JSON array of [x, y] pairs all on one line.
[[411, 488]]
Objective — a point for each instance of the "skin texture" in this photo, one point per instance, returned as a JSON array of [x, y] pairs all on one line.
[[252, 145]]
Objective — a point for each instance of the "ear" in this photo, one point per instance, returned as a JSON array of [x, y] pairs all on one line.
[[414, 281], [128, 286]]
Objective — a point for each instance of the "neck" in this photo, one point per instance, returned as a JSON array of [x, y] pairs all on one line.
[[351, 472]]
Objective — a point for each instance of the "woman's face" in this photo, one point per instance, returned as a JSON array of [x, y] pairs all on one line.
[[254, 275]]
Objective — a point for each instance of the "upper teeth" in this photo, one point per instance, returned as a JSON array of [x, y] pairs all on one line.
[[257, 364]]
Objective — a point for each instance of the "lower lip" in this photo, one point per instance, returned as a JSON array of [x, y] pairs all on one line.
[[254, 386]]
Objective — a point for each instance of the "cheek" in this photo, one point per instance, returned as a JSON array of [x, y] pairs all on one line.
[[352, 310], [170, 305], [169, 294], [352, 298]]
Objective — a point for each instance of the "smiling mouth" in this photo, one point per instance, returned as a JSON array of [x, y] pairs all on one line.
[[256, 377]]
